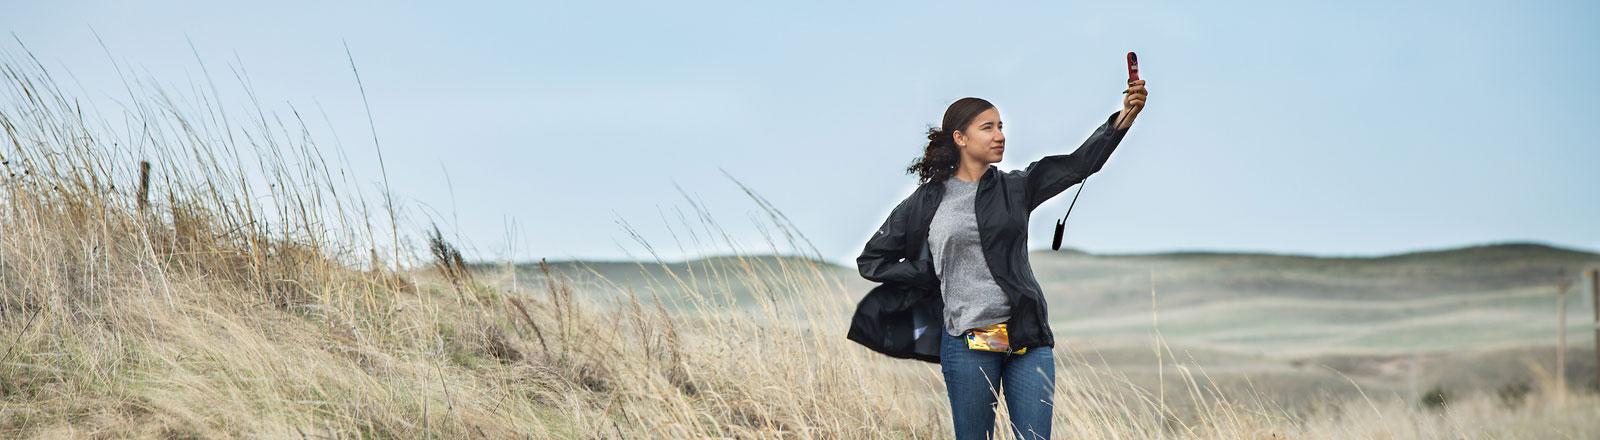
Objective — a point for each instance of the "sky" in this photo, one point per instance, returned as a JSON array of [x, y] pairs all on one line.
[[536, 130]]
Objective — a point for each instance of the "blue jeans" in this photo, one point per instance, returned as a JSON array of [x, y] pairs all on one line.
[[1027, 381]]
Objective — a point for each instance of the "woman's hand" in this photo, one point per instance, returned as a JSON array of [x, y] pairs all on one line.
[[1132, 103]]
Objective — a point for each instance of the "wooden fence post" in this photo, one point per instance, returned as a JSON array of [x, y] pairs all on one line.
[[1594, 296], [144, 185], [1561, 341]]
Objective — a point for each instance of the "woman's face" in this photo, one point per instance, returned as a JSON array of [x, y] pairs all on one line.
[[982, 140]]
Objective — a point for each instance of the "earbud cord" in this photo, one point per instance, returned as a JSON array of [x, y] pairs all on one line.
[[1085, 181]]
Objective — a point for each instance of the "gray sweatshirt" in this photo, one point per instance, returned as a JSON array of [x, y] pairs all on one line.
[[971, 296]]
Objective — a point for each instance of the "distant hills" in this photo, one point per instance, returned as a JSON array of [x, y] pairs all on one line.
[[1473, 316], [1499, 294]]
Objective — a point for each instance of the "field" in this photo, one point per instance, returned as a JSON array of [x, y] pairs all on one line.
[[242, 285], [1471, 320]]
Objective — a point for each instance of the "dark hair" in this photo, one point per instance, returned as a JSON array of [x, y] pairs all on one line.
[[941, 157]]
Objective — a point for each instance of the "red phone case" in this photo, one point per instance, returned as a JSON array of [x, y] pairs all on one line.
[[1133, 67]]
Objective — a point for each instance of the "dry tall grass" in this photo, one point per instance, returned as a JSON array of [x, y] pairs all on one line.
[[249, 299]]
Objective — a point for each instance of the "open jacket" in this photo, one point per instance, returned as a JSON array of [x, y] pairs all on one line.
[[902, 317]]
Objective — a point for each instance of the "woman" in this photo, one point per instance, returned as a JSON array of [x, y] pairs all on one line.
[[955, 253]]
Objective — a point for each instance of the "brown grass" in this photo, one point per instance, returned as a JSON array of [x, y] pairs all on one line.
[[248, 298]]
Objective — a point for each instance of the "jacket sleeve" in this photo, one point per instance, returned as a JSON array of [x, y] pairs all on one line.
[[883, 258], [1050, 175]]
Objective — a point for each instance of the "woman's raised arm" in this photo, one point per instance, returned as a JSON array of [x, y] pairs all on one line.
[[1051, 175]]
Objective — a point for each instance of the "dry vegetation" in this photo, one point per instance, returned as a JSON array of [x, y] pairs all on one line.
[[245, 288]]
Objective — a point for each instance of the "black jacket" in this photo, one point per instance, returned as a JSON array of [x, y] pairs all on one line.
[[902, 317]]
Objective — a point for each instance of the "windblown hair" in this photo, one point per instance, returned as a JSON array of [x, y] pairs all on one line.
[[941, 156]]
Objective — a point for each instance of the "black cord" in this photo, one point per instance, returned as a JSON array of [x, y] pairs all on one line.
[[1075, 199], [1061, 226]]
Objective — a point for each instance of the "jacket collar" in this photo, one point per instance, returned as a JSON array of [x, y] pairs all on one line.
[[934, 191]]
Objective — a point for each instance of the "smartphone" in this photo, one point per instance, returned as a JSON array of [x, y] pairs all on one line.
[[1133, 67]]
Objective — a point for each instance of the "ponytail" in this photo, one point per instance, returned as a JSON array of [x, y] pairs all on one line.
[[941, 156]]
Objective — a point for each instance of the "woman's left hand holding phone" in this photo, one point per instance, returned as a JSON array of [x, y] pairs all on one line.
[[1132, 102]]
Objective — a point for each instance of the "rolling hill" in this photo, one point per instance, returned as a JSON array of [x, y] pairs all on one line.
[[1473, 317]]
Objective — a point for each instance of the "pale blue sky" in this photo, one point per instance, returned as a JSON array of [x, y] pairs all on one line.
[[1332, 128]]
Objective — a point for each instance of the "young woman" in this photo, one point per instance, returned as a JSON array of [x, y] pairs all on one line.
[[953, 258]]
